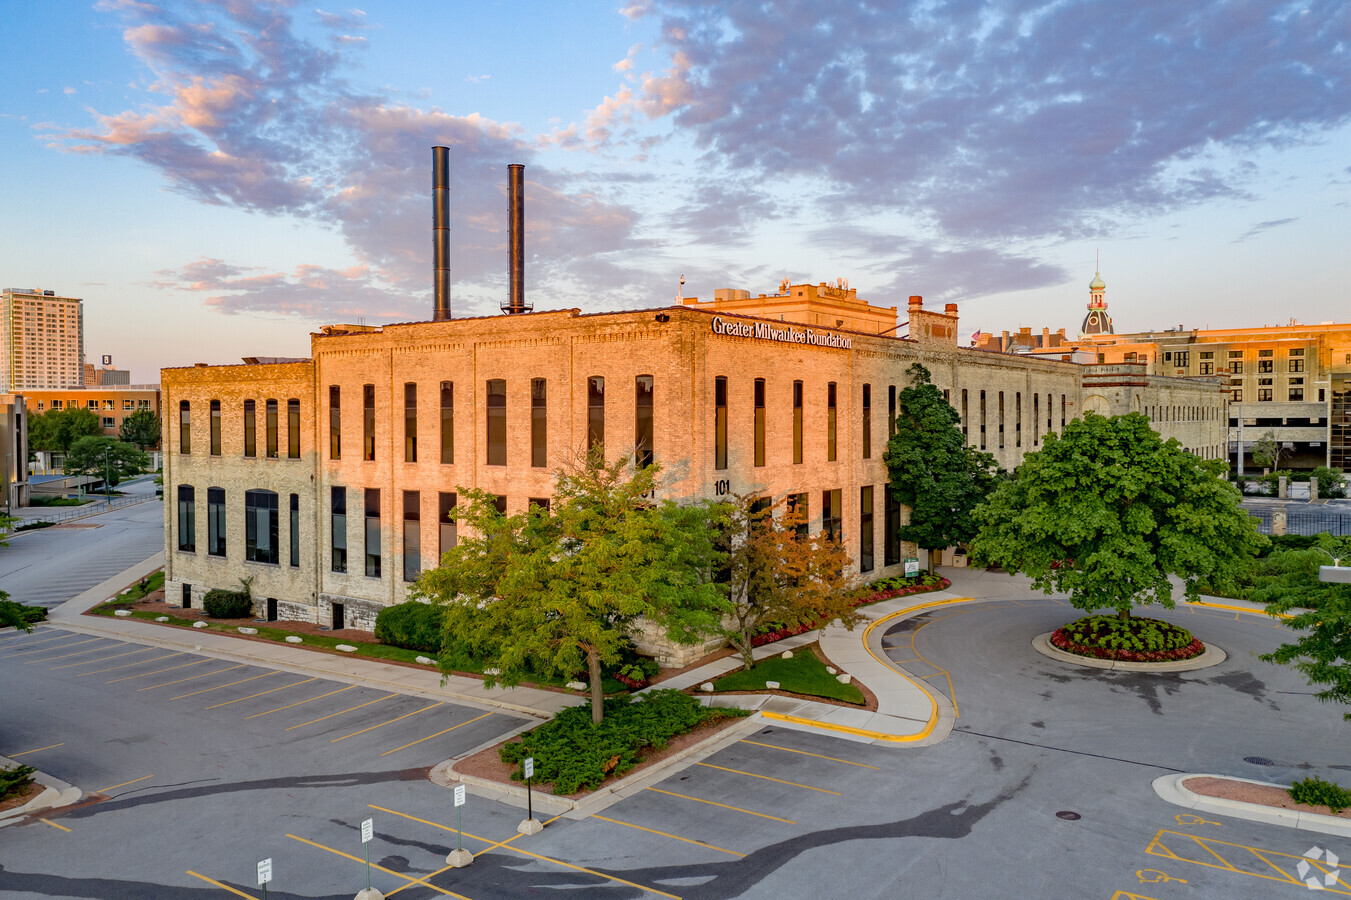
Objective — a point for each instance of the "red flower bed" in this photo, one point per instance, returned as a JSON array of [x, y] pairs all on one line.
[[778, 634], [1060, 641]]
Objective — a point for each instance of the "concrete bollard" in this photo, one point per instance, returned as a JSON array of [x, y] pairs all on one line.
[[1313, 488], [1282, 488], [369, 894], [1278, 521]]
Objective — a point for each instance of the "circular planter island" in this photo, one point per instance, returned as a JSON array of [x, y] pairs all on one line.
[[1135, 644]]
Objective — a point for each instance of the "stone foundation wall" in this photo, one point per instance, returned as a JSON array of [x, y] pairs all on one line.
[[357, 613]]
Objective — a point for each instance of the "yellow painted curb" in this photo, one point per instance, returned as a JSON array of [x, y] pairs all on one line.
[[1244, 609]]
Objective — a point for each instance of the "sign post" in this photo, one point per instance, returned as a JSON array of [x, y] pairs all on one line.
[[531, 825], [459, 857], [367, 832], [264, 874]]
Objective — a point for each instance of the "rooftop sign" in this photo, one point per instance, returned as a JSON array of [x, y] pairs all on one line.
[[766, 332]]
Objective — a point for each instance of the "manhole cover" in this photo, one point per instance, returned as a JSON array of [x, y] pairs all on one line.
[[1068, 815], [1258, 761]]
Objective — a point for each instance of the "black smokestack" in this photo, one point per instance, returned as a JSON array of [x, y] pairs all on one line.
[[516, 240], [441, 233]]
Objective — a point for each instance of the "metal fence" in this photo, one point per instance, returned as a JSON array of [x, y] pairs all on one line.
[[1305, 522], [57, 515]]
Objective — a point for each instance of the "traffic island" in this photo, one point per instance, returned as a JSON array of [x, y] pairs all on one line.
[[1136, 643], [1211, 656]]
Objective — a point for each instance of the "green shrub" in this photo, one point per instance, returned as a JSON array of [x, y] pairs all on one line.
[[1314, 791], [574, 754], [223, 604], [1331, 485], [29, 615], [15, 779], [1135, 633], [412, 625]]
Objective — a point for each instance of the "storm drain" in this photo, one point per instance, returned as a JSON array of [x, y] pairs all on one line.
[[1068, 815], [1258, 761]]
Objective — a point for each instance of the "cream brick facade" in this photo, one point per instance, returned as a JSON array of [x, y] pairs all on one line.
[[684, 350]]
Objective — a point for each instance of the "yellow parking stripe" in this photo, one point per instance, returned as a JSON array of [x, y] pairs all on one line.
[[54, 825], [349, 709], [191, 677], [261, 693], [197, 662], [139, 662], [64, 635], [29, 662], [505, 844], [817, 755], [38, 750], [390, 722], [748, 812], [767, 778], [223, 686], [438, 734], [666, 834], [104, 659], [410, 879], [301, 703], [223, 887], [123, 784]]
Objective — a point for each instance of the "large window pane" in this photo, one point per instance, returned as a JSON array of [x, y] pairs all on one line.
[[368, 421], [831, 513], [759, 421], [447, 422], [215, 521], [410, 422], [215, 428], [260, 527], [184, 427], [644, 454], [830, 422], [445, 519], [865, 529], [187, 518], [293, 429], [797, 423], [539, 423], [867, 422], [720, 422], [497, 422], [334, 422], [295, 530], [250, 429], [595, 413], [272, 429], [338, 529], [372, 520], [412, 535]]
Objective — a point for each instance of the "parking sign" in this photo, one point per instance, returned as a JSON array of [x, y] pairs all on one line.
[[459, 795]]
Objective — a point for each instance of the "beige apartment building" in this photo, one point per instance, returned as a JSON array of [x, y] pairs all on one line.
[[41, 340], [334, 480]]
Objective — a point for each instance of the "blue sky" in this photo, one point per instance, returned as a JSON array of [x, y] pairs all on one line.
[[217, 179]]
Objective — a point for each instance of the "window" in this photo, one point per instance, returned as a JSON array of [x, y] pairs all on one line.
[[272, 429], [215, 521], [1262, 381], [797, 507], [867, 423], [447, 423], [1297, 393], [1018, 418], [445, 520], [1036, 419], [109, 422], [371, 515], [412, 535], [865, 528], [1265, 365], [500, 503], [250, 429], [93, 404], [260, 527], [410, 422], [830, 422], [1236, 367], [1297, 351], [539, 423], [891, 411], [537, 504], [1182, 358], [497, 422], [891, 538], [797, 422], [187, 519], [982, 420], [334, 422], [1062, 412], [42, 404], [56, 404], [1296, 380], [1266, 354], [1236, 395], [293, 429], [964, 415], [831, 515], [1207, 368], [1263, 394], [1001, 420], [595, 413], [295, 531], [720, 422], [338, 529], [759, 400], [368, 422], [184, 426], [644, 454], [128, 404], [1296, 365]]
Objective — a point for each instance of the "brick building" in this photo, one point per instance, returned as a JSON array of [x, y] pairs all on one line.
[[333, 480]]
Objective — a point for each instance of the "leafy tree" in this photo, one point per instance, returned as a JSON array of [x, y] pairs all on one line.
[[1107, 511], [58, 429], [1331, 484], [562, 589], [777, 576], [141, 428], [86, 457], [11, 614], [933, 470], [1267, 451]]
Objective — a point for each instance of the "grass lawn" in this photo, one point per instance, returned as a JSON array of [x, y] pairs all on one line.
[[803, 674]]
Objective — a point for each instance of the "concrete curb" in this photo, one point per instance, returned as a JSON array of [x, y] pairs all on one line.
[[605, 796], [1212, 656], [55, 795], [1171, 789]]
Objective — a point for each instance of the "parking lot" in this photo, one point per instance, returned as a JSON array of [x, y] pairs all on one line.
[[1042, 790]]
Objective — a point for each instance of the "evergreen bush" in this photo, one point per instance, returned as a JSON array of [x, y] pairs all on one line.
[[15, 779], [222, 604], [412, 625]]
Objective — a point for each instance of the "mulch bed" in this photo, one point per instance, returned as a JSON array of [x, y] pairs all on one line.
[[1061, 642], [22, 797], [1228, 789], [487, 764]]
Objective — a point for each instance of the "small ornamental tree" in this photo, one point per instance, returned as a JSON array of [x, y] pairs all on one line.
[[58, 429], [776, 575], [87, 457], [933, 471], [1267, 451], [560, 590], [141, 428], [1107, 511]]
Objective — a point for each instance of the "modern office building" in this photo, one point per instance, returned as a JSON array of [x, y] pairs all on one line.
[[106, 374], [41, 340]]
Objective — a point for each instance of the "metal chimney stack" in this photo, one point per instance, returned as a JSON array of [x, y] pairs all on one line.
[[441, 233], [516, 240]]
